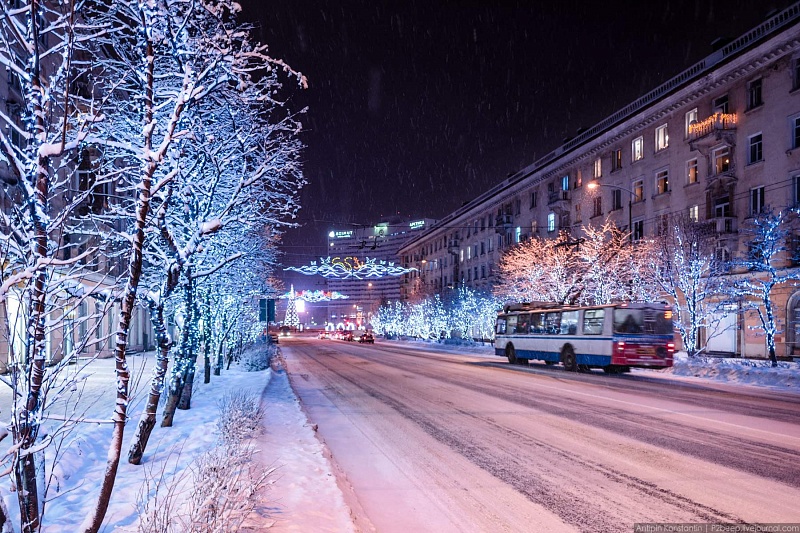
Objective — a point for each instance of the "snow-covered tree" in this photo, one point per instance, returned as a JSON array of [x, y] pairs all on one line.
[[164, 63], [45, 128], [764, 265], [598, 268], [694, 278]]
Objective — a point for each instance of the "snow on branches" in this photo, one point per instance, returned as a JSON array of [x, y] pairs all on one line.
[[598, 268]]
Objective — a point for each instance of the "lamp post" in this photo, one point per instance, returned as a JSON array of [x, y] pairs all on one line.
[[594, 185]]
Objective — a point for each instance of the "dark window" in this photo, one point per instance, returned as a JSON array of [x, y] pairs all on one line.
[[638, 230], [721, 104], [796, 74], [756, 152], [616, 199], [796, 133], [756, 200], [598, 206], [754, 94], [534, 199]]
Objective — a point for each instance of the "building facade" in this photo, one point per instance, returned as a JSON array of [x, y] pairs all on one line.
[[718, 143], [357, 246]]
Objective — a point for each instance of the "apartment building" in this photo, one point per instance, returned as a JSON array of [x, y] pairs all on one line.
[[84, 321], [718, 142], [353, 246]]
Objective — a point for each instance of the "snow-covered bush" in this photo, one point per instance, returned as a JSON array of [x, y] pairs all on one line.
[[220, 493], [256, 358], [240, 417]]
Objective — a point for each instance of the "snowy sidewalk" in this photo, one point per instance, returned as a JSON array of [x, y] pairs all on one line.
[[304, 496]]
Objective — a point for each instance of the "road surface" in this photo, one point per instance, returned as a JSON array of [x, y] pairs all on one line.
[[430, 441]]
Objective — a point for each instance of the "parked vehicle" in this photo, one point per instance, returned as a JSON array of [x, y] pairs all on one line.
[[613, 337], [366, 337], [347, 336]]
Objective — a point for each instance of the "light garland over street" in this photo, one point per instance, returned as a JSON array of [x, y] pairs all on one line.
[[351, 267]]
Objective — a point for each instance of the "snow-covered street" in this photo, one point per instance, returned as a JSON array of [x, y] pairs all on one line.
[[408, 439], [434, 441]]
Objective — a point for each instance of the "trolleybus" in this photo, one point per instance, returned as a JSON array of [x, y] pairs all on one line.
[[613, 337]]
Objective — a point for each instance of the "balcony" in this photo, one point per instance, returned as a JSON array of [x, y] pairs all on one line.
[[556, 197], [725, 225], [503, 223], [452, 246], [717, 127]]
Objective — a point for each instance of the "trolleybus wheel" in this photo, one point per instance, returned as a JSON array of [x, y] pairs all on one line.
[[568, 358], [511, 354]]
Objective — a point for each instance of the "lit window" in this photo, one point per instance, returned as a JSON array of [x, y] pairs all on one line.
[[598, 168], [722, 160], [662, 138], [691, 171], [755, 152], [551, 222], [662, 181], [598, 206], [638, 191], [694, 213], [691, 117], [637, 149], [616, 160]]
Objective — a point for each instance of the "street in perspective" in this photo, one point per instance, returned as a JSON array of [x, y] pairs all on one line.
[[419, 266]]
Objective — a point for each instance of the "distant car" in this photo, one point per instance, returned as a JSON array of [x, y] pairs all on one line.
[[273, 338], [324, 335], [366, 337], [285, 331], [347, 336]]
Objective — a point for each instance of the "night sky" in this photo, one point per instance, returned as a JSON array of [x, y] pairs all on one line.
[[418, 106]]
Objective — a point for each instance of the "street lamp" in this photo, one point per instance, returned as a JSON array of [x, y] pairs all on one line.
[[594, 185]]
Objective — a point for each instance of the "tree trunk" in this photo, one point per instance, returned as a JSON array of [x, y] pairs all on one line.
[[185, 401], [92, 523], [148, 419], [206, 364], [175, 390]]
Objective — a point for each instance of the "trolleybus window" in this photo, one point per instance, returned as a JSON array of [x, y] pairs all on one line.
[[552, 323], [593, 321], [522, 324], [569, 322], [511, 324], [537, 323], [648, 321], [501, 326]]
